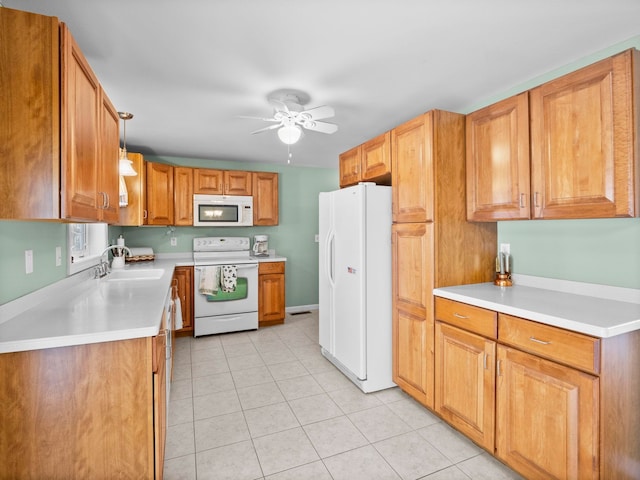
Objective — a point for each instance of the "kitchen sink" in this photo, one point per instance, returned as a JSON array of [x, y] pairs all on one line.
[[136, 274]]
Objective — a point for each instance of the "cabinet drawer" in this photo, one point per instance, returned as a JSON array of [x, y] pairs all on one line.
[[270, 267], [474, 319], [570, 348]]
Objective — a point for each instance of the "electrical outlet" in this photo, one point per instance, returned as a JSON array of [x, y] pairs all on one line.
[[28, 261], [317, 238], [505, 248], [58, 256], [174, 241]]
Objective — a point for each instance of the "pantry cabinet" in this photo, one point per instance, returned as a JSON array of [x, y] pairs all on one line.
[[271, 300], [59, 134], [85, 411], [580, 132], [159, 194], [221, 182], [183, 278], [369, 162], [432, 243], [564, 403], [265, 198], [183, 196]]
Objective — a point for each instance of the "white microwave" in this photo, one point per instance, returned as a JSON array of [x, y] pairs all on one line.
[[222, 211]]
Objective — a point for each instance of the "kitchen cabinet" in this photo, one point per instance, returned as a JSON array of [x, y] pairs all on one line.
[[183, 277], [135, 213], [498, 161], [183, 196], [271, 293], [432, 243], [59, 132], [369, 162], [221, 182], [159, 194], [265, 198], [465, 369], [85, 411], [565, 402], [582, 147]]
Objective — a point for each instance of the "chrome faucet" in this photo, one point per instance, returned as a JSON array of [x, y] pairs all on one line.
[[102, 268]]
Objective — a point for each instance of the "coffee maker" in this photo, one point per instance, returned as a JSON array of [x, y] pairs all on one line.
[[261, 245]]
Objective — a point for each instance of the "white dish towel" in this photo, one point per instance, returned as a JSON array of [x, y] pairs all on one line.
[[178, 306], [209, 280]]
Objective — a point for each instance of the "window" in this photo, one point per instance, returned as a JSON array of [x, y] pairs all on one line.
[[85, 243]]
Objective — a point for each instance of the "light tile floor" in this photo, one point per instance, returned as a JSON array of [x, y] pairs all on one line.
[[266, 404]]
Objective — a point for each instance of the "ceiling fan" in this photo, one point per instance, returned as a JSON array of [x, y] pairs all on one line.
[[290, 117]]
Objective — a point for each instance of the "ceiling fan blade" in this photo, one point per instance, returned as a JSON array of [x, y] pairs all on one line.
[[264, 119], [270, 127], [322, 127], [318, 113]]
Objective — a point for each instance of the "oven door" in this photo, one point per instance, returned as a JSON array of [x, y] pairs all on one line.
[[222, 315]]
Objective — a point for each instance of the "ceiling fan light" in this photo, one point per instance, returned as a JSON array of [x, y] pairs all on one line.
[[289, 134]]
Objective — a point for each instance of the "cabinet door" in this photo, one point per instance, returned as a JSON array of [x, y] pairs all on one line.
[[498, 161], [265, 198], [465, 383], [271, 306], [237, 182], [159, 194], [547, 417], [80, 94], [208, 181], [29, 136], [160, 402], [184, 278], [135, 213], [412, 159], [350, 166], [109, 175], [413, 327], [376, 158], [183, 195], [583, 128]]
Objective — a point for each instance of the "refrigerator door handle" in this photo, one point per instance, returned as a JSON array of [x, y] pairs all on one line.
[[330, 263]]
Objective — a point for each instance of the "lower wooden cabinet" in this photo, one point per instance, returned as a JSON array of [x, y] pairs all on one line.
[[271, 300], [183, 278], [84, 411], [564, 403]]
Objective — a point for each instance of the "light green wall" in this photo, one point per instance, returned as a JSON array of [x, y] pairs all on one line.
[[603, 251]]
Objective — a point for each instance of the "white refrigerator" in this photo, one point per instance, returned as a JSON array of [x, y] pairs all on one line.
[[355, 283]]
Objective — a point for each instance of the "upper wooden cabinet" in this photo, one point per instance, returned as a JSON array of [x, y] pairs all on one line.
[[265, 198], [183, 196], [135, 213], [369, 162], [159, 194], [583, 148], [583, 141], [221, 182], [498, 161], [412, 172], [59, 134]]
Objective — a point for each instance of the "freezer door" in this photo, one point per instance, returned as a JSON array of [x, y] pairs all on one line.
[[349, 325], [325, 262]]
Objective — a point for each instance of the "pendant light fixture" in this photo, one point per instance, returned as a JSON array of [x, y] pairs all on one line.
[[125, 165]]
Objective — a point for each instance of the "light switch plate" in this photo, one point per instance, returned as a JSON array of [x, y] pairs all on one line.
[[28, 261], [58, 256], [174, 241]]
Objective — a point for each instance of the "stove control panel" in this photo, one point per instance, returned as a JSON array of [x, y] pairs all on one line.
[[221, 244]]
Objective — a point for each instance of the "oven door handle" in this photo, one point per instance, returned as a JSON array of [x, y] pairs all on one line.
[[244, 266]]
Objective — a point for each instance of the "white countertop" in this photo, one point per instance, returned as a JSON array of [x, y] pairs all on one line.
[[80, 310], [588, 314]]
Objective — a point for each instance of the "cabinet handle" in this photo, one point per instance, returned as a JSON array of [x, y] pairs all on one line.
[[144, 214], [108, 200], [543, 342], [522, 199], [498, 371], [484, 360], [535, 199], [457, 315]]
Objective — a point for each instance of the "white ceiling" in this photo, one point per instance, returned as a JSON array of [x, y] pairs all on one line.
[[186, 69]]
